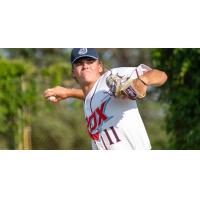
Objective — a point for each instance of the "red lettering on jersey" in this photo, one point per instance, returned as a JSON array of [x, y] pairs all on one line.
[[101, 115], [94, 136], [92, 120]]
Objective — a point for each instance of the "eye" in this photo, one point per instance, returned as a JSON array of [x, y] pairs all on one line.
[[77, 64]]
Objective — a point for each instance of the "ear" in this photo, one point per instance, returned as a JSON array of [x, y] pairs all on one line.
[[100, 69]]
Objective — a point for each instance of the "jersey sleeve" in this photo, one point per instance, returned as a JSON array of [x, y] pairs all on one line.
[[133, 72], [122, 71], [142, 69]]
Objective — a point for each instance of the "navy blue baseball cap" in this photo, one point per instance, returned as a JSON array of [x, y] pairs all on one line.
[[83, 53]]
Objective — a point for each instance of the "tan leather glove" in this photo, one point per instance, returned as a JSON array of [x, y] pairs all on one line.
[[120, 86]]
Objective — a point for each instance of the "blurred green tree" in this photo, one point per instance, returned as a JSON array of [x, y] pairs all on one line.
[[182, 94], [27, 120], [17, 98]]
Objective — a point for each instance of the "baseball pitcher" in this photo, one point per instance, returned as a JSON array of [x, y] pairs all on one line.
[[110, 107]]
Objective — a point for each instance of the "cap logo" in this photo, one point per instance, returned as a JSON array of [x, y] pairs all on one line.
[[82, 51]]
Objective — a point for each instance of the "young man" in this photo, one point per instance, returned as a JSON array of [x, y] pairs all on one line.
[[113, 122]]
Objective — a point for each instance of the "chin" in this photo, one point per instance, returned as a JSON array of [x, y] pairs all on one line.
[[86, 81]]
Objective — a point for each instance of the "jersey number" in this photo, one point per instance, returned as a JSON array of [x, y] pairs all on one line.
[[108, 135]]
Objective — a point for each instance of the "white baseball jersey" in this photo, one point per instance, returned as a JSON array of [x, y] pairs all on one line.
[[115, 123]]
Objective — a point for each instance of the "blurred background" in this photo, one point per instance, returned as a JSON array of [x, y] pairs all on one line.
[[27, 121]]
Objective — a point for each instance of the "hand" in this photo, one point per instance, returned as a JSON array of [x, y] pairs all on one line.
[[60, 93]]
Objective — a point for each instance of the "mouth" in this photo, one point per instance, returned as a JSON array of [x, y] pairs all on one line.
[[85, 71]]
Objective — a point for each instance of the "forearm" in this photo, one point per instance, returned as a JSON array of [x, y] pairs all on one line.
[[154, 77], [75, 93], [60, 93]]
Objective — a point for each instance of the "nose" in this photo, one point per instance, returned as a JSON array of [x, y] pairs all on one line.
[[84, 65]]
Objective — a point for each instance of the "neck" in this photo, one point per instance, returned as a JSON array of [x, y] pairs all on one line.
[[86, 88]]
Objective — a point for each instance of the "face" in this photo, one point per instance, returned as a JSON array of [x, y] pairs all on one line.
[[87, 71]]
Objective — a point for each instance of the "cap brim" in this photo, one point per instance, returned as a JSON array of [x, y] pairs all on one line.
[[84, 56]]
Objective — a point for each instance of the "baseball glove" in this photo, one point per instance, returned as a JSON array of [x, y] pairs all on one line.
[[126, 86]]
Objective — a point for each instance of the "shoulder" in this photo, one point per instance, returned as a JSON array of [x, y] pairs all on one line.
[[128, 71], [120, 71]]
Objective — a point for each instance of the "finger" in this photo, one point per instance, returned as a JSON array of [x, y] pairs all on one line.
[[45, 92], [49, 92]]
